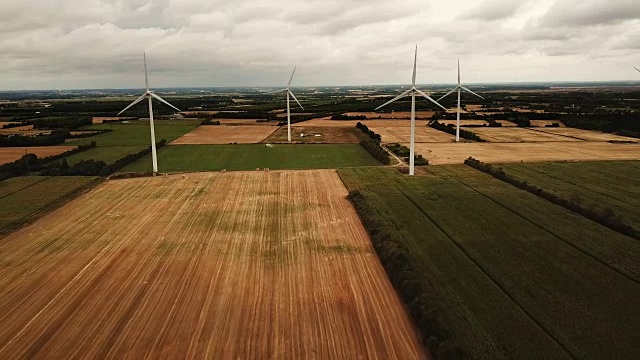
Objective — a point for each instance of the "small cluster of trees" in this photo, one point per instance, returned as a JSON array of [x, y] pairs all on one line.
[[371, 142], [32, 163], [405, 153], [623, 123], [347, 117], [450, 129], [13, 125], [210, 122], [397, 263], [603, 216], [71, 122]]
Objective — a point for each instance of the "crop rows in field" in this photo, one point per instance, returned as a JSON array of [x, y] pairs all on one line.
[[23, 198], [222, 266], [510, 274]]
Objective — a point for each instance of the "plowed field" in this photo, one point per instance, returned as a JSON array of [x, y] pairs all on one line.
[[267, 265], [221, 134]]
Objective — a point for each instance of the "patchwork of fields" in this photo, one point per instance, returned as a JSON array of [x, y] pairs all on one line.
[[11, 154], [223, 266], [423, 134], [223, 134], [180, 158], [307, 135], [510, 274]]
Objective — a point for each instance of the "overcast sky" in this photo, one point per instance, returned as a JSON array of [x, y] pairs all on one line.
[[65, 44]]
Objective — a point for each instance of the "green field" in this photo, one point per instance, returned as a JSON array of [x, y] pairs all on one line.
[[127, 139], [595, 184], [177, 158], [508, 273], [24, 198]]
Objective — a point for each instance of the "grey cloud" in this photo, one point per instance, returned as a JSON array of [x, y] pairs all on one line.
[[492, 10], [568, 13]]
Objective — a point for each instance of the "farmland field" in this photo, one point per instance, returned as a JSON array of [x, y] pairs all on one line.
[[393, 115], [181, 267], [369, 123], [251, 156], [516, 134], [328, 135], [23, 198], [403, 134], [222, 134], [438, 154], [11, 154], [598, 185], [463, 122], [524, 268], [588, 135]]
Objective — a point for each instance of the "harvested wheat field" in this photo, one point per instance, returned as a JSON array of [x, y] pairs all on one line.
[[393, 115], [223, 134], [542, 123], [510, 134], [237, 265], [352, 123], [239, 121], [11, 154], [506, 123], [464, 122], [527, 152], [26, 130], [424, 134], [587, 135], [316, 135]]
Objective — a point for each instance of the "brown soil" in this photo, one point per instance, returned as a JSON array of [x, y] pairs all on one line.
[[23, 130], [527, 152], [587, 135], [267, 265], [223, 134], [11, 154], [328, 135], [424, 134]]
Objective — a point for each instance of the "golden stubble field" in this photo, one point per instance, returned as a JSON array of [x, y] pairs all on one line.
[[266, 265], [517, 134], [423, 134], [453, 153], [11, 154], [223, 134]]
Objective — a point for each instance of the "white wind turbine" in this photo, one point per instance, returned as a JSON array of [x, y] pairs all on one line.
[[459, 88], [288, 108], [413, 91], [149, 95], [636, 68]]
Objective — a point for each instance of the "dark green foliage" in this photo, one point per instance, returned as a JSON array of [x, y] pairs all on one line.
[[369, 132], [69, 123], [605, 216], [451, 129], [405, 152], [13, 125], [210, 122], [56, 137], [371, 142], [347, 117], [620, 122]]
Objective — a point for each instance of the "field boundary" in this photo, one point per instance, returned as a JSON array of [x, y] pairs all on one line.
[[607, 221], [504, 291], [26, 187], [50, 207]]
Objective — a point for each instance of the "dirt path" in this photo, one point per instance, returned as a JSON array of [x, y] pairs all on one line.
[[208, 265]]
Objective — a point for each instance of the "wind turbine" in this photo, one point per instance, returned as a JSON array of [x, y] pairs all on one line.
[[459, 88], [413, 91], [636, 68], [288, 108], [149, 95]]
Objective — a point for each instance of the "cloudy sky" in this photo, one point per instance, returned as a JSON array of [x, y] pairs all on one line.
[[66, 44]]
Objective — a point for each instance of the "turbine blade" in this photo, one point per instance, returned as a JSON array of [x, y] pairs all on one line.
[[291, 79], [469, 91], [430, 99], [161, 99], [449, 93], [294, 98], [636, 68], [415, 62], [133, 103], [146, 77], [394, 99]]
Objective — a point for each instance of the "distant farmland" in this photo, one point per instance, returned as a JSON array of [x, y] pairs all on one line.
[[222, 266], [508, 273], [178, 158]]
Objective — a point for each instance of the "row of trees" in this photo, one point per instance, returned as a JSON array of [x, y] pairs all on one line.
[[16, 140], [603, 216], [347, 117], [451, 129], [32, 163], [400, 269], [405, 153], [371, 142]]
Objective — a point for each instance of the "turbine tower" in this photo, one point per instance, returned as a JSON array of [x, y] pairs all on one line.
[[459, 88], [289, 92], [149, 95], [413, 91]]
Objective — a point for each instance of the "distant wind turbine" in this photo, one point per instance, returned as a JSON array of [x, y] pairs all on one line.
[[459, 88], [413, 91], [288, 107], [149, 95]]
